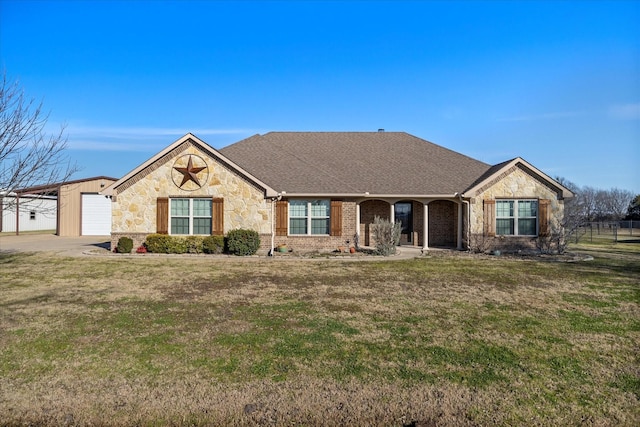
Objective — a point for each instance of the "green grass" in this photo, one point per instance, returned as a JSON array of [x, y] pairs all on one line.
[[496, 341]]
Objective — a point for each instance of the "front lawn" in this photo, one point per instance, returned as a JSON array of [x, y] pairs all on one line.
[[448, 339]]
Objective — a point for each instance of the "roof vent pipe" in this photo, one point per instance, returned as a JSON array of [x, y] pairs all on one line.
[[380, 130]]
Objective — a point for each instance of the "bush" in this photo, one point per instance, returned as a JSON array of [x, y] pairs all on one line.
[[177, 245], [158, 243], [125, 244], [386, 235], [213, 244], [165, 244], [243, 242], [194, 244]]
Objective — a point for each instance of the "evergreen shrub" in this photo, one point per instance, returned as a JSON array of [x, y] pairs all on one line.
[[158, 243], [243, 242], [194, 244], [213, 245], [125, 244]]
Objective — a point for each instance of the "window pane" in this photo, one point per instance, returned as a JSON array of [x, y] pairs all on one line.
[[504, 208], [527, 208], [202, 226], [202, 207], [179, 225], [320, 208], [527, 227], [179, 207], [297, 226], [504, 226], [320, 226], [298, 208]]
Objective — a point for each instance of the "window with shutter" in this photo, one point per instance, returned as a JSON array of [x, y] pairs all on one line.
[[516, 217], [189, 216], [309, 217]]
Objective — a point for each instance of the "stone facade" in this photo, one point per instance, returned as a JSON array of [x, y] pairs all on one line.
[[513, 183], [190, 170], [134, 202]]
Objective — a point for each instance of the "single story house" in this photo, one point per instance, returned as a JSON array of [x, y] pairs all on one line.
[[71, 208], [321, 190]]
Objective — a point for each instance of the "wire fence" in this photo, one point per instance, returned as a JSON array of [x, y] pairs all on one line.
[[608, 232]]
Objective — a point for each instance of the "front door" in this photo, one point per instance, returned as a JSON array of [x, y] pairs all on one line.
[[405, 217]]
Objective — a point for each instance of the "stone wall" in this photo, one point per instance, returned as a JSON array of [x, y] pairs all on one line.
[[134, 202], [514, 183]]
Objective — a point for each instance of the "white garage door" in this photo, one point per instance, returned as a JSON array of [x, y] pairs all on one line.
[[96, 215]]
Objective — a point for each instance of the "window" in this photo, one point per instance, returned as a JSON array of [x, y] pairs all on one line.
[[190, 216], [516, 217], [309, 216], [32, 215]]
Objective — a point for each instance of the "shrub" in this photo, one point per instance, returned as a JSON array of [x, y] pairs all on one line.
[[177, 245], [158, 243], [142, 249], [213, 244], [386, 235], [125, 244], [194, 244], [243, 242]]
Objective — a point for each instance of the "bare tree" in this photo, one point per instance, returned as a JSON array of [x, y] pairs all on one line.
[[28, 156], [616, 203]]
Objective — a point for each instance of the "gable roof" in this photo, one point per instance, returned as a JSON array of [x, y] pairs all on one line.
[[269, 192], [495, 171], [355, 163]]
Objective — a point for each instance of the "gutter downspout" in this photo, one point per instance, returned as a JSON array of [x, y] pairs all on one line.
[[272, 235], [273, 232]]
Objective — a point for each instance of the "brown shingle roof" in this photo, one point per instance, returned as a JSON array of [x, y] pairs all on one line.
[[354, 163]]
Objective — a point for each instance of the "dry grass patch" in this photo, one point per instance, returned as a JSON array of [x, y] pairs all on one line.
[[445, 339]]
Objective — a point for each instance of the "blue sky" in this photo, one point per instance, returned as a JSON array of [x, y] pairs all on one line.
[[557, 83]]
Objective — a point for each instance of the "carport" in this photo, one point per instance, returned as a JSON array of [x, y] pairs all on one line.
[[81, 210]]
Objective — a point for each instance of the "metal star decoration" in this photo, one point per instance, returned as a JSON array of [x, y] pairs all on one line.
[[190, 173]]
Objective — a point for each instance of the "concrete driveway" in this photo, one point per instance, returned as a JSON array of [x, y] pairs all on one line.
[[73, 246]]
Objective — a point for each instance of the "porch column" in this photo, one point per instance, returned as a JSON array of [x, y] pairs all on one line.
[[459, 226], [425, 227], [393, 213], [358, 223]]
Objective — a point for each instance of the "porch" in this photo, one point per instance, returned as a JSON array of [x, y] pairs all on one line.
[[425, 223]]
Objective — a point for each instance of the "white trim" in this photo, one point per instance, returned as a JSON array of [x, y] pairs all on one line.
[[515, 217], [191, 217], [308, 216]]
